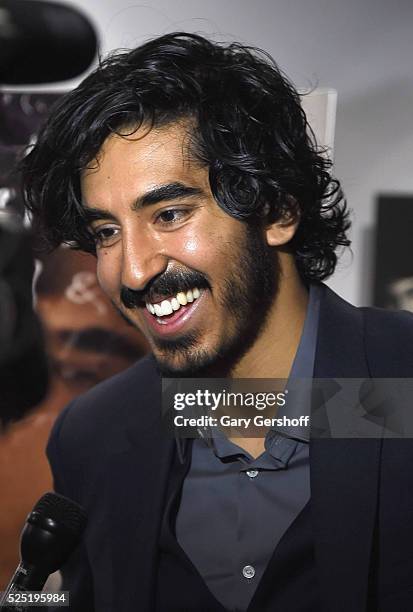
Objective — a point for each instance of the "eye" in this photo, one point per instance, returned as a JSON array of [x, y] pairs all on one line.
[[105, 235], [171, 216]]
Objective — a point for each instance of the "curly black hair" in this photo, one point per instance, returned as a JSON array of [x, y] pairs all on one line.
[[249, 129]]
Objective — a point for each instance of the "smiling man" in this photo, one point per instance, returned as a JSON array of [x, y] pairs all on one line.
[[200, 307], [189, 170]]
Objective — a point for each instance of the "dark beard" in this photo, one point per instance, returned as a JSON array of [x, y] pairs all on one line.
[[247, 296]]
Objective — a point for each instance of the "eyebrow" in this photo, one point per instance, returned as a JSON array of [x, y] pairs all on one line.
[[171, 191], [163, 193]]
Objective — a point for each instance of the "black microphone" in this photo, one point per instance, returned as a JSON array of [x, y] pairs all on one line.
[[43, 42], [52, 531]]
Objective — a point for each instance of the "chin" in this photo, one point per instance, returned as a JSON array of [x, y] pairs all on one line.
[[196, 364]]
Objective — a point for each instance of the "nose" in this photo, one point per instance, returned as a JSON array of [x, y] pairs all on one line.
[[142, 260]]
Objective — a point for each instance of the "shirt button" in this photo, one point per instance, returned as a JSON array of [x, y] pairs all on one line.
[[252, 473], [248, 571]]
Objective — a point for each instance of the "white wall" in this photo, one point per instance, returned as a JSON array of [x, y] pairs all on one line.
[[362, 48]]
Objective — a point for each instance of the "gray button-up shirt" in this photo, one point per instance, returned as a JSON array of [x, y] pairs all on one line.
[[235, 509]]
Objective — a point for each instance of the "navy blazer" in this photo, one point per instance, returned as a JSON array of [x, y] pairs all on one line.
[[108, 453]]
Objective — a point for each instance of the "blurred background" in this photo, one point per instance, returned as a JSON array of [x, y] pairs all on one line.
[[359, 49]]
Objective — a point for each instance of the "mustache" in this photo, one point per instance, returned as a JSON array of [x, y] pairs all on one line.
[[170, 283]]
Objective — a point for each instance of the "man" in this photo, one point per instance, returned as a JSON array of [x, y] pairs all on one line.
[[187, 167]]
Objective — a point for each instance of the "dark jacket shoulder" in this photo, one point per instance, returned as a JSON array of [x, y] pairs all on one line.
[[94, 424], [355, 342], [389, 339]]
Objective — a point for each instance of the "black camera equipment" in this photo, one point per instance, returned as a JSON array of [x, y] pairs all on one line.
[[40, 42], [43, 42]]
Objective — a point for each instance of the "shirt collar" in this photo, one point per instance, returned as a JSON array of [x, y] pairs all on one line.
[[299, 383]]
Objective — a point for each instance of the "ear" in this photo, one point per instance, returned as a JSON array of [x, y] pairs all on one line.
[[282, 231]]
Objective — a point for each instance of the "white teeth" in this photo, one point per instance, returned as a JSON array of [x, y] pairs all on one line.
[[167, 307], [181, 297]]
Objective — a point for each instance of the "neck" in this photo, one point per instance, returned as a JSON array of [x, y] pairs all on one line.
[[273, 352]]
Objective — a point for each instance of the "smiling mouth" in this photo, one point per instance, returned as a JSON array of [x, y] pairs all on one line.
[[167, 307], [169, 317]]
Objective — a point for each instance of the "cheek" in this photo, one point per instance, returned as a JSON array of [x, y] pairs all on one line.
[[191, 246], [197, 247], [208, 251], [190, 250]]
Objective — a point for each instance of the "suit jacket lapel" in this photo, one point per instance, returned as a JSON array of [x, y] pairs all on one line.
[[343, 472]]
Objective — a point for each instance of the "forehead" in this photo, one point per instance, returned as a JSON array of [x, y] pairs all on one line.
[[133, 164]]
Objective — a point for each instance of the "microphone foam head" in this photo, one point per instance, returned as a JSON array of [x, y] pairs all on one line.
[[62, 510]]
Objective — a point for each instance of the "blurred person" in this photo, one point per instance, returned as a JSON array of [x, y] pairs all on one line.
[[401, 293], [187, 167], [86, 342]]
